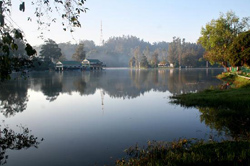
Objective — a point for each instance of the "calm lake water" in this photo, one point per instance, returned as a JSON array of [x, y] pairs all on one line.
[[89, 118]]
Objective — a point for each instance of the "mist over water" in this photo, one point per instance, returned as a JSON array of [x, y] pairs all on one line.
[[89, 118]]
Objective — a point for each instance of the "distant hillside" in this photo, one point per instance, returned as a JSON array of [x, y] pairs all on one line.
[[121, 51], [115, 52]]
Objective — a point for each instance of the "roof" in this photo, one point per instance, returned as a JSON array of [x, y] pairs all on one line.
[[59, 63], [71, 63], [93, 60]]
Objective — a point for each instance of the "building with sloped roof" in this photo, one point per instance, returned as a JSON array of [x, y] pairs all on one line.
[[86, 64], [92, 64]]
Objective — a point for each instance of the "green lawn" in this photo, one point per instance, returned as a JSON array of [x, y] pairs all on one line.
[[235, 96]]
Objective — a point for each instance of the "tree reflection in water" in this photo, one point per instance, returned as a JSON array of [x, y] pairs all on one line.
[[13, 97], [127, 84], [9, 139], [235, 123]]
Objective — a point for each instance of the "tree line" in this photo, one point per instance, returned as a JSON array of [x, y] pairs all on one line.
[[223, 41], [127, 51]]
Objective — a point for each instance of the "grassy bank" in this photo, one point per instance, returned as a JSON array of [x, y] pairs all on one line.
[[225, 108], [233, 94], [189, 152]]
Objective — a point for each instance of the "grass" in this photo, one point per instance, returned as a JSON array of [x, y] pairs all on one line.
[[189, 152], [226, 107], [233, 94]]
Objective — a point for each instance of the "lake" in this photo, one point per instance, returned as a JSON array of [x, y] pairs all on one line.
[[89, 118]]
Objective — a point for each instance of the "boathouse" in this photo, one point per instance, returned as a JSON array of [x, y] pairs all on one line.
[[68, 65], [92, 64], [86, 64]]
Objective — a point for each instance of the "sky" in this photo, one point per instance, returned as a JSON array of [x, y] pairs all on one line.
[[152, 21]]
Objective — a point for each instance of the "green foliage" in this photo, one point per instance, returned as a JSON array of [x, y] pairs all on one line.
[[50, 51], [174, 51], [144, 62], [181, 53], [137, 56], [117, 51], [132, 62], [188, 152], [225, 96], [79, 54], [245, 70], [240, 50], [40, 65], [154, 60], [14, 54], [235, 80], [16, 141], [218, 35], [69, 10], [11, 37], [232, 123]]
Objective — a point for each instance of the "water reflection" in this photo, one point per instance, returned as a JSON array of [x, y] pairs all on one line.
[[13, 97], [11, 140], [66, 108], [116, 83], [123, 83], [235, 123]]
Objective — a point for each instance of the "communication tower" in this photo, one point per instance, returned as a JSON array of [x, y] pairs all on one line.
[[101, 37]]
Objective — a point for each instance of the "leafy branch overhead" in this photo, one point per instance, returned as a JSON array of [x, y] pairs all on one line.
[[68, 10], [44, 14]]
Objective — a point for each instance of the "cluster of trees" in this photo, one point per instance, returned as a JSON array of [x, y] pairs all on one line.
[[146, 58], [50, 53], [181, 53], [116, 51], [132, 51], [16, 54], [178, 53], [226, 40]]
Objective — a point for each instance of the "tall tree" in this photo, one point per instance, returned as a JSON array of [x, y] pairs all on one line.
[[137, 55], [80, 54], [155, 60], [132, 62], [164, 55], [144, 62], [146, 52], [175, 51], [50, 52], [218, 35], [240, 50]]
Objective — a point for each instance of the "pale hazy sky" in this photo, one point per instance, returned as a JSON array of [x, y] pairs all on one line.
[[152, 21]]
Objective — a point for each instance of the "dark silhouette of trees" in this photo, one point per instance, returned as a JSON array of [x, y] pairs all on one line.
[[144, 62], [50, 52], [9, 35], [13, 97], [80, 54], [11, 140]]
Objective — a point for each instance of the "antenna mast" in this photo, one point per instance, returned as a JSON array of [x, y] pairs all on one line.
[[101, 39]]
